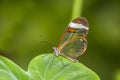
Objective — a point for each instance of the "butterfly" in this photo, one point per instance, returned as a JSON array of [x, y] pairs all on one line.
[[73, 42]]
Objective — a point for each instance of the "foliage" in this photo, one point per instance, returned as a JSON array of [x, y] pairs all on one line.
[[24, 24], [46, 67]]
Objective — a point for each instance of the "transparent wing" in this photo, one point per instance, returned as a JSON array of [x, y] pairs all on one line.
[[74, 47], [74, 29], [66, 36], [69, 35]]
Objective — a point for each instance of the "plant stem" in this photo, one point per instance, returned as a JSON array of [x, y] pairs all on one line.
[[77, 8]]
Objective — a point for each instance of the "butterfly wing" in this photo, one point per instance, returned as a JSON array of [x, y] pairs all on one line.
[[73, 41], [78, 27], [74, 47]]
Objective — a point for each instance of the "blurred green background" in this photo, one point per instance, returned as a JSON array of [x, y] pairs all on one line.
[[29, 28]]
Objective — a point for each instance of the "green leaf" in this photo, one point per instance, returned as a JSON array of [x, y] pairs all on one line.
[[10, 71], [46, 67]]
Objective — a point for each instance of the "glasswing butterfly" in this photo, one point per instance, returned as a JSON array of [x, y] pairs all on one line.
[[73, 41]]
